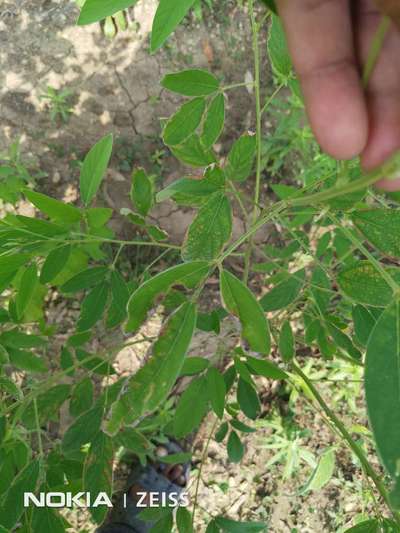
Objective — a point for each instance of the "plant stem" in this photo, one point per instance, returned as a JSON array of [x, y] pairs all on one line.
[[257, 90], [375, 50], [238, 197], [352, 444], [203, 460], [237, 86], [270, 98], [38, 430]]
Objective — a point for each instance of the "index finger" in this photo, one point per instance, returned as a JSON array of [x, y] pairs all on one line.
[[320, 40]]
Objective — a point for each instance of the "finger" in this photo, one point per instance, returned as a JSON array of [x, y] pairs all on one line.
[[383, 92], [321, 43]]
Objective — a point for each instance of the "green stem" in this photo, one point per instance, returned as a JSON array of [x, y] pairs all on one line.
[[236, 86], [38, 430], [352, 444], [257, 88], [375, 50], [203, 460], [239, 200]]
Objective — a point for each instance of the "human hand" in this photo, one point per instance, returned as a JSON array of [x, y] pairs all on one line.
[[329, 41]]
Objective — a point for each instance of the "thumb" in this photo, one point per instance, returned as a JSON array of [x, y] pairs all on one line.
[[390, 8]]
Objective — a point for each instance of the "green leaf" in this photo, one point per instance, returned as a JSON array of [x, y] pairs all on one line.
[[3, 428], [247, 399], [363, 322], [382, 387], [83, 430], [221, 432], [188, 186], [151, 384], [164, 525], [194, 365], [184, 520], [193, 82], [135, 441], [168, 16], [284, 293], [381, 227], [241, 158], [193, 153], [54, 263], [93, 306], [235, 448], [48, 404], [11, 263], [367, 526], [95, 10], [342, 341], [98, 473], [322, 473], [185, 121], [141, 301], [40, 227], [191, 408], [231, 526], [364, 284], [286, 342], [209, 231], [321, 289], [212, 527], [17, 339], [237, 424], [56, 210], [26, 289], [261, 367], [142, 194], [240, 301], [214, 121], [26, 361], [94, 167], [119, 300], [216, 391], [13, 503], [85, 279], [98, 216], [46, 519], [278, 50], [82, 397]]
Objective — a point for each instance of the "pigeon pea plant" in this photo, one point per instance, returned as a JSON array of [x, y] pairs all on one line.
[[341, 303]]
